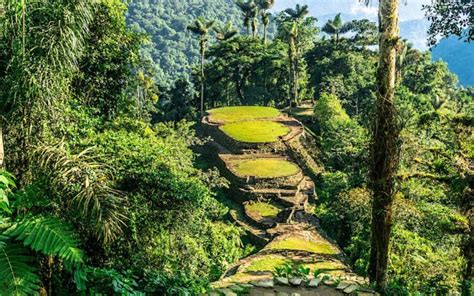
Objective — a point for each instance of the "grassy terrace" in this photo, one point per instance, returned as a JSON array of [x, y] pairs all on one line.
[[242, 113], [256, 131], [263, 168], [262, 209], [298, 243]]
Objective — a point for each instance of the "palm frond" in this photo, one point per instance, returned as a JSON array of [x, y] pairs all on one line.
[[18, 276], [87, 183], [49, 236]]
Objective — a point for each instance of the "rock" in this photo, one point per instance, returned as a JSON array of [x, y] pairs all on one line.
[[228, 292], [296, 281], [342, 285], [314, 282], [295, 294], [281, 280], [238, 289], [246, 286], [364, 293], [264, 284], [329, 282], [283, 294], [351, 289]]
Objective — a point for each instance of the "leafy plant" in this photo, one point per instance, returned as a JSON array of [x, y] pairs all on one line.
[[291, 270]]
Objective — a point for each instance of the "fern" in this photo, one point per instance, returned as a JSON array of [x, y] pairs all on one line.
[[49, 236], [17, 275]]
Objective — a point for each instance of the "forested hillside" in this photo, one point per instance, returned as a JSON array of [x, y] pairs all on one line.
[[172, 48], [459, 56], [296, 157]]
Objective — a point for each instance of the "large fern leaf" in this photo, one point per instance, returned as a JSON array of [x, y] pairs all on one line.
[[17, 274], [49, 236]]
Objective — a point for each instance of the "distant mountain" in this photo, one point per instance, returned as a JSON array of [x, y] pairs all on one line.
[[460, 58], [172, 48]]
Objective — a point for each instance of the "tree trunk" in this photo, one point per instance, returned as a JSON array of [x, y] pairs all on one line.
[[2, 155], [468, 244], [202, 76], [384, 148], [254, 28], [265, 34]]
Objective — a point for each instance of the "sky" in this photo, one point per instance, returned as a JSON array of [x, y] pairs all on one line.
[[409, 11], [413, 23]]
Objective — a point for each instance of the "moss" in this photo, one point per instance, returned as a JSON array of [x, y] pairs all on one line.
[[263, 209], [266, 263], [242, 113], [297, 243], [256, 131], [264, 168], [327, 267]]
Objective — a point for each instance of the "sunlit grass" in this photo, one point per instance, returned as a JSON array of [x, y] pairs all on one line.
[[263, 209], [242, 113], [264, 168], [257, 131], [266, 263], [297, 243]]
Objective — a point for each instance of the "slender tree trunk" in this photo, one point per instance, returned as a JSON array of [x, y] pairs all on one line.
[[384, 146], [254, 28], [468, 244], [265, 34], [2, 155], [202, 77]]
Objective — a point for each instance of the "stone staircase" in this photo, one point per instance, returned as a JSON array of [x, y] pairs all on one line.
[[277, 213]]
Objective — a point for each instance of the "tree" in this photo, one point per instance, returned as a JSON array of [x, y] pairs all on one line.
[[225, 32], [366, 33], [450, 18], [201, 28], [296, 17], [264, 6], [250, 13], [336, 27], [384, 144]]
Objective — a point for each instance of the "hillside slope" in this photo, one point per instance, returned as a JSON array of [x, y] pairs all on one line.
[[173, 49], [460, 57]]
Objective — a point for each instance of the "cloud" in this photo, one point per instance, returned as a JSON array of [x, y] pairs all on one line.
[[359, 8]]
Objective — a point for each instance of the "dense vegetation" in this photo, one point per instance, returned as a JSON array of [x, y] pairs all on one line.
[[105, 193]]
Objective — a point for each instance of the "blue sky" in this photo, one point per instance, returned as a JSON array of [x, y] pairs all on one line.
[[410, 11], [413, 23]]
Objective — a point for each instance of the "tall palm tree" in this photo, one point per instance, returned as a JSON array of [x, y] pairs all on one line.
[[250, 13], [384, 144], [201, 27], [225, 32], [264, 6], [296, 16], [336, 27]]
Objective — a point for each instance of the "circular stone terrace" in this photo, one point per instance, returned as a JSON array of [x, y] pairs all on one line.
[[253, 125]]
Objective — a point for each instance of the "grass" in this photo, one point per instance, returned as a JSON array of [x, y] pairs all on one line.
[[297, 243], [327, 267], [256, 131], [263, 209], [242, 113], [266, 263], [264, 168]]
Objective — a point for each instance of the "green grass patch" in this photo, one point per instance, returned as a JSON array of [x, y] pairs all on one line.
[[266, 263], [327, 267], [297, 243], [242, 113], [263, 209], [264, 168], [256, 131]]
